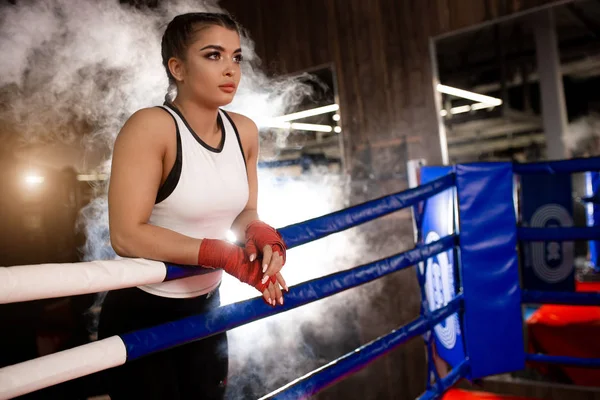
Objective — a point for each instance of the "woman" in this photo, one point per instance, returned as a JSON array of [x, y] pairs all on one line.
[[182, 176]]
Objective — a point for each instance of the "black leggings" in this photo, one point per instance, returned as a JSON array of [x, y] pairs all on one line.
[[196, 370]]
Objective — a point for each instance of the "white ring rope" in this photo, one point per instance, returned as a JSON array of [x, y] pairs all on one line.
[[42, 281], [63, 366]]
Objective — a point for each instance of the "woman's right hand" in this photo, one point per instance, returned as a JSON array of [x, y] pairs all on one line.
[[232, 259]]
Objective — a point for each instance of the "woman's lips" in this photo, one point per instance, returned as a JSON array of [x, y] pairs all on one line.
[[227, 88]]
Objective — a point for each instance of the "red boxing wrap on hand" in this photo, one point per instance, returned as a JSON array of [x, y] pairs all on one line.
[[259, 235], [231, 258]]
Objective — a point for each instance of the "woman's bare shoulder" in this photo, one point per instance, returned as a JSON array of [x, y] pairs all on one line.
[[248, 132], [243, 123], [153, 121]]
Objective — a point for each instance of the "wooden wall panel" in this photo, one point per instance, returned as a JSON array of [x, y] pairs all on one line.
[[381, 52]]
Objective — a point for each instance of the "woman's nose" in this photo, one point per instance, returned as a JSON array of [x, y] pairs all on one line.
[[229, 70]]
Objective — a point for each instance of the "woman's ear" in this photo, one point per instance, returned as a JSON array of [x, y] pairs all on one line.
[[176, 68]]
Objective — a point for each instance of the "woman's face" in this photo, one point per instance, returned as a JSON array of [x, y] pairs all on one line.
[[211, 70]]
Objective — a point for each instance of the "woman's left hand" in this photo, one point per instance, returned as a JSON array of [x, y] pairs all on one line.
[[264, 238], [272, 262]]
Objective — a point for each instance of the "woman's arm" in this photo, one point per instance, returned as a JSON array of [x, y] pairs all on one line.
[[137, 168], [272, 261], [249, 138]]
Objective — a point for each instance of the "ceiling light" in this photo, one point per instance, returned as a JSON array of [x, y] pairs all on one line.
[[271, 123], [92, 177], [308, 113], [492, 101], [460, 109], [467, 108], [312, 127], [480, 106]]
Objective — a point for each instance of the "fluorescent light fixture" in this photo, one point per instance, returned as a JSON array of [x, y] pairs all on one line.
[[492, 101], [312, 127], [271, 123], [460, 109], [480, 106], [467, 108], [297, 126], [92, 177], [337, 129], [308, 113], [283, 121]]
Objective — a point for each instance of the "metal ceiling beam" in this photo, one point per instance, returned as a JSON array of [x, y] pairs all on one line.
[[475, 148], [590, 26], [504, 129], [573, 68], [569, 50]]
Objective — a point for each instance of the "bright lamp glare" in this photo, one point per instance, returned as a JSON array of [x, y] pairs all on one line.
[[230, 236], [34, 180]]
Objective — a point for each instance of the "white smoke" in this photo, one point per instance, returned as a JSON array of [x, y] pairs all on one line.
[[582, 138], [75, 72], [78, 71]]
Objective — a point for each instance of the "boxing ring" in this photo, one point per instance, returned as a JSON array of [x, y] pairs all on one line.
[[469, 238]]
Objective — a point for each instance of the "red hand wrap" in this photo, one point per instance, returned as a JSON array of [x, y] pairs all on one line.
[[259, 235], [231, 258]]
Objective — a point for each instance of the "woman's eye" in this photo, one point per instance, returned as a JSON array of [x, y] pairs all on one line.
[[238, 59], [213, 56]]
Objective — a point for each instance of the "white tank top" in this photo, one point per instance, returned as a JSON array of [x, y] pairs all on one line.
[[201, 197]]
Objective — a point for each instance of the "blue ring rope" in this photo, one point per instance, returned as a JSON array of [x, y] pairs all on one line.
[[564, 360], [175, 271], [165, 336], [564, 234], [559, 167], [437, 391], [336, 370], [566, 298], [317, 228]]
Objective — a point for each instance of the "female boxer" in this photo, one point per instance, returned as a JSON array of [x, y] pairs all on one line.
[[183, 175]]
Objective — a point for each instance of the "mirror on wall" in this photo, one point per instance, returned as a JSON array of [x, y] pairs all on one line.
[[490, 90], [310, 134]]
